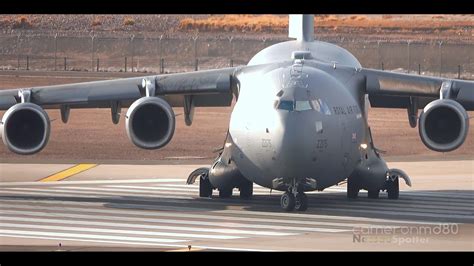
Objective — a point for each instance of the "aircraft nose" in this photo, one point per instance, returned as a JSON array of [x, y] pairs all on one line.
[[297, 140]]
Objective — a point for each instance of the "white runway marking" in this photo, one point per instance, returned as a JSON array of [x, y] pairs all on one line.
[[141, 226], [225, 215], [164, 212], [115, 231], [281, 229], [416, 205], [133, 243], [89, 236], [92, 182], [87, 194]]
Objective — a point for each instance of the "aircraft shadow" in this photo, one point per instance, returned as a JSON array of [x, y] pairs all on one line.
[[431, 206]]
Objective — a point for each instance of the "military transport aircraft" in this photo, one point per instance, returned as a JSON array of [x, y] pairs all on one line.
[[299, 122]]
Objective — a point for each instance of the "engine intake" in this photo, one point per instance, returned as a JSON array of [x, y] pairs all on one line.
[[25, 128], [443, 125], [150, 123]]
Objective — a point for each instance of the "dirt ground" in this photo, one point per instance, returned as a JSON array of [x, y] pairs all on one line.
[[90, 134]]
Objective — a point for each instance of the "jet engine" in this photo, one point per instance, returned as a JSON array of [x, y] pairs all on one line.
[[150, 123], [443, 125], [25, 128]]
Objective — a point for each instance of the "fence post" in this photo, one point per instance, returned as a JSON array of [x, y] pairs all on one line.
[[97, 65], [65, 63], [379, 53], [459, 71], [196, 64], [27, 62], [133, 48], [382, 66], [419, 69], [18, 45], [125, 64], [162, 65], [408, 68], [161, 54], [440, 58], [55, 52], [231, 63]]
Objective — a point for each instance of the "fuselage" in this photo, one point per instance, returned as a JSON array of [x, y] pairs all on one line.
[[298, 118]]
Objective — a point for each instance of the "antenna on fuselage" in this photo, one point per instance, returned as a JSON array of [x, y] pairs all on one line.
[[301, 27]]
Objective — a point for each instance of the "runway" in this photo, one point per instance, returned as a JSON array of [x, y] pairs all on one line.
[[149, 207]]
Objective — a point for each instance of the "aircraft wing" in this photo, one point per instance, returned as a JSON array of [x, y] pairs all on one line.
[[399, 90], [208, 88]]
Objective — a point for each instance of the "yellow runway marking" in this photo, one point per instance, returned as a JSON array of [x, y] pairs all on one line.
[[68, 172]]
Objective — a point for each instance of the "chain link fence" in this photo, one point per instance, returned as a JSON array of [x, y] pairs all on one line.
[[64, 51]]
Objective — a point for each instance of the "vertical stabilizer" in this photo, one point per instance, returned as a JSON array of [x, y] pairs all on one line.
[[301, 27]]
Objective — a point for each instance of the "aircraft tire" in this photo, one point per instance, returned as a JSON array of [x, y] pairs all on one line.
[[287, 201], [246, 190], [205, 188], [393, 189], [225, 193], [352, 188], [373, 194], [301, 202]]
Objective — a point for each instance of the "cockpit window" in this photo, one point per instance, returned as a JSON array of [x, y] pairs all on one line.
[[286, 105], [323, 107], [317, 105], [302, 106]]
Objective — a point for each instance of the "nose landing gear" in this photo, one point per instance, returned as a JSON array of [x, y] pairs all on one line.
[[294, 198]]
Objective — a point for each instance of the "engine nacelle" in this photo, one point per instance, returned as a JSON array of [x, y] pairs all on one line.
[[150, 123], [443, 125], [25, 128]]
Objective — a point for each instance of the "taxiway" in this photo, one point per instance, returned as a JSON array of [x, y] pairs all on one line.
[[142, 207]]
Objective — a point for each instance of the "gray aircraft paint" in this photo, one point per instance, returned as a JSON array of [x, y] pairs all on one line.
[[272, 143]]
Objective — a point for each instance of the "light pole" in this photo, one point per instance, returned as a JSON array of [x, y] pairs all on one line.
[[231, 38], [195, 37], [92, 50]]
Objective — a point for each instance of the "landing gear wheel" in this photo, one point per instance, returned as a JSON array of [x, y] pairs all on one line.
[[393, 190], [205, 188], [225, 193], [301, 202], [246, 190], [373, 194], [287, 201], [352, 188]]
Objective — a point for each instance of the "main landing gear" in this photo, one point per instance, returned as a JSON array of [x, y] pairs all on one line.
[[294, 199], [206, 188], [391, 186]]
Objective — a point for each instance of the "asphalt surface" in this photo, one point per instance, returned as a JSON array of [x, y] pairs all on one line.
[[149, 207]]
